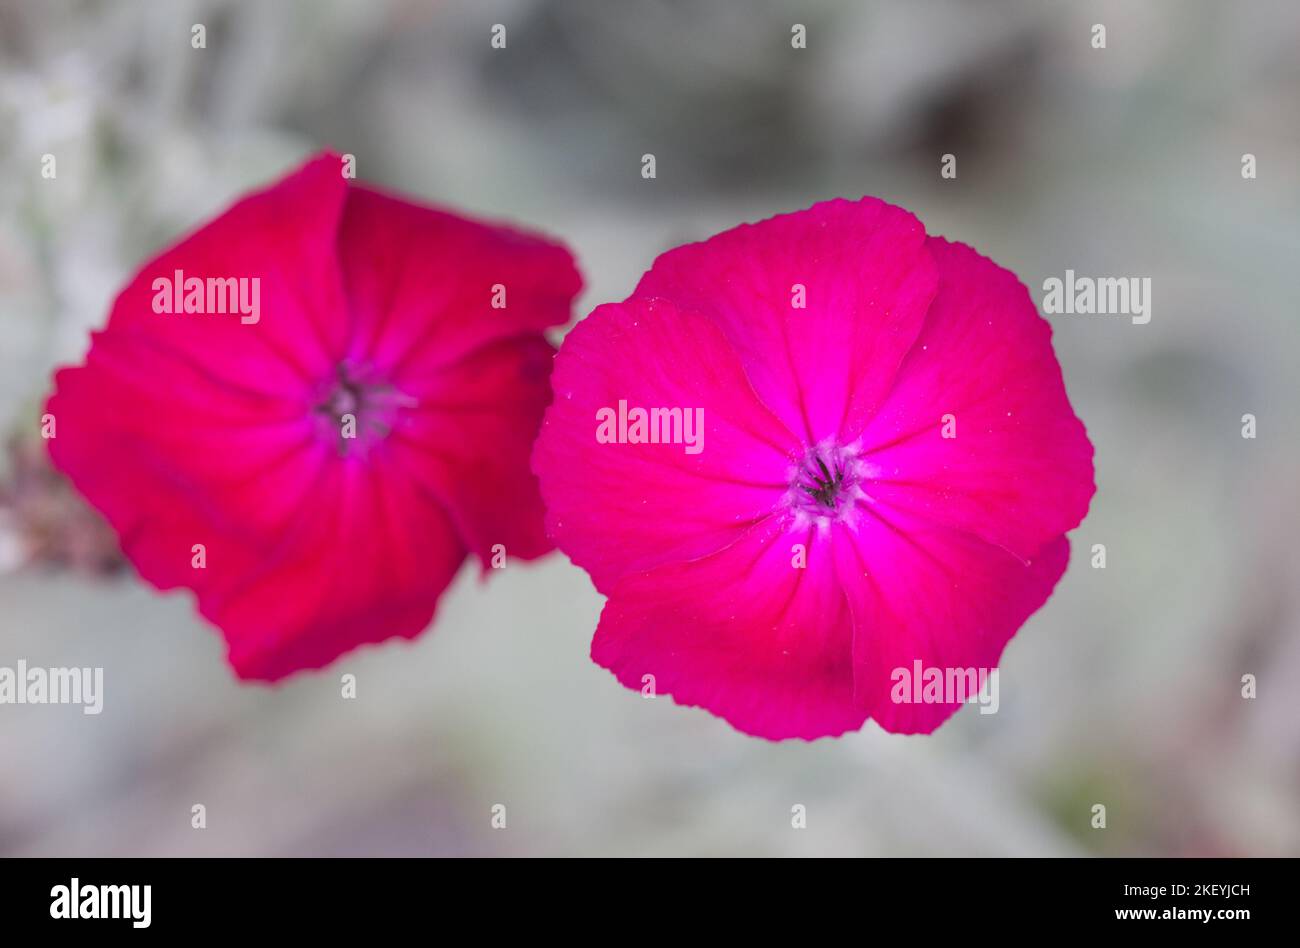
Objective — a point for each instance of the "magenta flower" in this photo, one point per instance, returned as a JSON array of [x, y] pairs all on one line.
[[309, 411], [882, 473]]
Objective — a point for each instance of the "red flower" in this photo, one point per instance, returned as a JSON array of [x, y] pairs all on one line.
[[853, 454], [310, 410]]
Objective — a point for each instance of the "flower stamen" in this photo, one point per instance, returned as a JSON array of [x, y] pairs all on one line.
[[825, 486], [359, 412]]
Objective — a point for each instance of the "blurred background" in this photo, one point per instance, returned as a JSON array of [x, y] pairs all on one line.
[[1124, 690]]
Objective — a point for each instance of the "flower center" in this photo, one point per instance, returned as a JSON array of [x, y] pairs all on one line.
[[357, 410], [825, 486]]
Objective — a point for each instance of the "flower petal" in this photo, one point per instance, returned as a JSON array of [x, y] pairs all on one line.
[[173, 458], [283, 237], [366, 561], [421, 284], [867, 279], [1019, 469], [467, 441], [921, 592], [619, 507], [742, 633]]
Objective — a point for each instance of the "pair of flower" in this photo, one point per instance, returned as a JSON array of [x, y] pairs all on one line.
[[888, 467]]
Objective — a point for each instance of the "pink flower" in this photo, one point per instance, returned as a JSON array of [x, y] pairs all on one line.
[[888, 466], [310, 410]]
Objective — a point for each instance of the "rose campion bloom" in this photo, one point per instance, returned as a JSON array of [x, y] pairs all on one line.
[[887, 469], [316, 461]]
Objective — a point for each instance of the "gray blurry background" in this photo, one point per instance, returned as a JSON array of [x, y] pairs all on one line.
[[1123, 690]]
